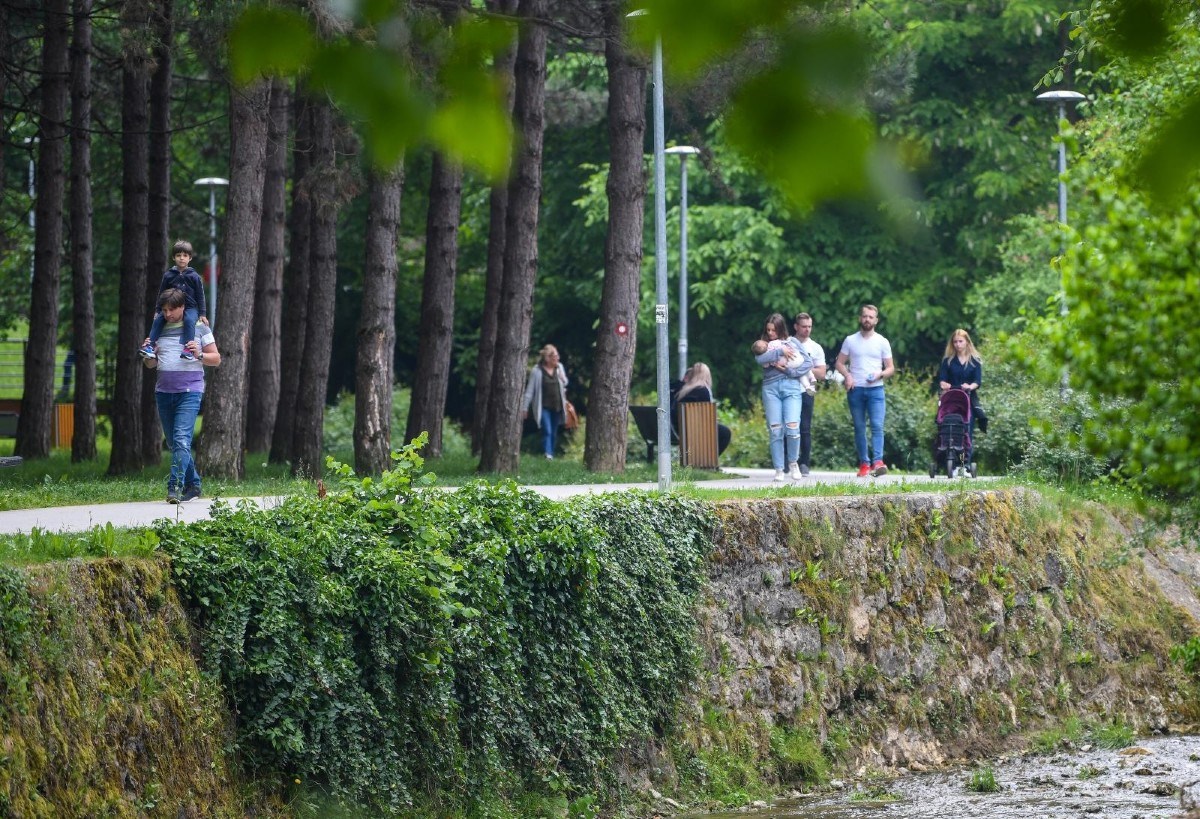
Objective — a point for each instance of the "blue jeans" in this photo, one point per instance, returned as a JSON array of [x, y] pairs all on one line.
[[781, 405], [178, 411], [190, 316], [550, 421], [867, 402]]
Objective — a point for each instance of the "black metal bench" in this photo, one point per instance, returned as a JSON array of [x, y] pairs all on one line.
[[646, 419], [8, 425]]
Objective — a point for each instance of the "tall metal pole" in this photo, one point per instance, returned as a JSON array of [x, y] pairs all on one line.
[[683, 151], [1061, 98], [213, 182], [660, 278], [212, 254]]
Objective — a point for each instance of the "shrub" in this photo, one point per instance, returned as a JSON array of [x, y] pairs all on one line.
[[397, 644]]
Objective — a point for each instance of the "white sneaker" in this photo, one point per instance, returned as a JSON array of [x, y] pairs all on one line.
[[779, 476], [794, 473]]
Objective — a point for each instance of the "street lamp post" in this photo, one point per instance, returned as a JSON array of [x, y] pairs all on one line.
[[660, 271], [1060, 99], [213, 182], [684, 151]]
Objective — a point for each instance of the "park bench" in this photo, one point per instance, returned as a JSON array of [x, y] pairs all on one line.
[[697, 424], [8, 429]]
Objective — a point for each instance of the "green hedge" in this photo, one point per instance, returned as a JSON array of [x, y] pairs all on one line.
[[393, 642]]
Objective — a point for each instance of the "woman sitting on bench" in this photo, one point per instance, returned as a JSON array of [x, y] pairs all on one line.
[[697, 387]]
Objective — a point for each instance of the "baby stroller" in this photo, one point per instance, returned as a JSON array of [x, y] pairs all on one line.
[[952, 443]]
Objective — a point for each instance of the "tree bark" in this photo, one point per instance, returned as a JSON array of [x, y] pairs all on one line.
[[220, 450], [37, 402], [502, 437], [159, 225], [436, 334], [324, 194], [132, 322], [608, 399], [83, 441], [294, 319], [497, 211], [262, 387], [373, 373]]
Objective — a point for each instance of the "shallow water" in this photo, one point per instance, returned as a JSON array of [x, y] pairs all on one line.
[[1113, 786]]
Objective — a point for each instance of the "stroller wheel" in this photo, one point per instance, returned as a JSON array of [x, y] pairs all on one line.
[[933, 469], [950, 468], [974, 471]]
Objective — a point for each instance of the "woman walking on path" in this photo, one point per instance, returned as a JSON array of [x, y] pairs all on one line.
[[546, 396], [784, 363], [962, 369]]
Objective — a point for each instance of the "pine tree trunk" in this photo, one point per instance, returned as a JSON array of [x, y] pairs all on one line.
[[83, 441], [502, 437], [262, 387], [497, 211], [132, 322], [373, 372], [294, 319], [608, 399], [158, 233], [37, 402], [436, 334], [220, 451], [324, 195]]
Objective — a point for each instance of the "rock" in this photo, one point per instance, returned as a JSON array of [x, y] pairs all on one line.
[[860, 624], [837, 784], [655, 794], [1189, 796], [1131, 751], [758, 804], [1143, 771], [1160, 789]]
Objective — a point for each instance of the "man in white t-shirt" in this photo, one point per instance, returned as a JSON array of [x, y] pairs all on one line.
[[869, 356], [803, 324], [179, 391]]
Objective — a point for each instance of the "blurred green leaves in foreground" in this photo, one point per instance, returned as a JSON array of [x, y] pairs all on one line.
[[408, 75]]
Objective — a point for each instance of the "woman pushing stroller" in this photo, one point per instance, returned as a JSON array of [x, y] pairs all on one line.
[[962, 369]]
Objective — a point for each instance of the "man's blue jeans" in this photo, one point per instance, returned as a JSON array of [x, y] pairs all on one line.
[[867, 403], [178, 411], [781, 405]]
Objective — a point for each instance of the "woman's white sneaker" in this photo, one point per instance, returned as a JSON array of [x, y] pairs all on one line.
[[779, 476], [794, 473]]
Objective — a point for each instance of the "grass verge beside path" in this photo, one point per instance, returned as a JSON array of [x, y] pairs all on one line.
[[55, 481]]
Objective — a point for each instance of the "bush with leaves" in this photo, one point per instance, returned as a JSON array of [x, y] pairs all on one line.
[[400, 644]]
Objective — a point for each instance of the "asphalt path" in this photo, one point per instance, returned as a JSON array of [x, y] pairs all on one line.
[[145, 513]]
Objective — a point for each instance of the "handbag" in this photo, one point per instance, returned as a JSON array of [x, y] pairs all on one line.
[[572, 417]]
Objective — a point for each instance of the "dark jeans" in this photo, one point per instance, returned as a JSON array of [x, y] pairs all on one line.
[[178, 411], [190, 316], [806, 411]]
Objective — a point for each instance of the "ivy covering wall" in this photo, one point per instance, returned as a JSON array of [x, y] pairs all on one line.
[[404, 646]]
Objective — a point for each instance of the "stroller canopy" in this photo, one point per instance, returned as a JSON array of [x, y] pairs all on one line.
[[954, 401]]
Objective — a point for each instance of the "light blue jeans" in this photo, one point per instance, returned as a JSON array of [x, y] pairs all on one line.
[[178, 411], [781, 404], [867, 403], [550, 422]]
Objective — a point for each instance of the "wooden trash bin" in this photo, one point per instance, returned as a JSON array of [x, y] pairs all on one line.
[[64, 426], [698, 434]]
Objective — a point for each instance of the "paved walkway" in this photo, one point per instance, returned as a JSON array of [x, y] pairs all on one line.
[[145, 513]]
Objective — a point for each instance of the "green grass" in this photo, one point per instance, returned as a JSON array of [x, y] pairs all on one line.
[[55, 481], [983, 780]]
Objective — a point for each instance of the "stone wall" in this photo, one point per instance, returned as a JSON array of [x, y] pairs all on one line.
[[918, 629]]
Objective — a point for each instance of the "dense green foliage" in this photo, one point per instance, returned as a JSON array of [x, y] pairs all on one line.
[[1132, 278], [391, 641]]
